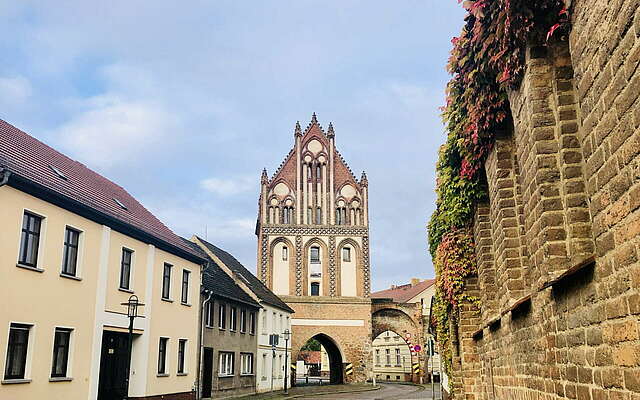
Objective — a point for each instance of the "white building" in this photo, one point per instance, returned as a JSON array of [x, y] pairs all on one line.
[[273, 318]]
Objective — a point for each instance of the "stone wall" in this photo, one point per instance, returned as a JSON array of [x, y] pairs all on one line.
[[558, 243]]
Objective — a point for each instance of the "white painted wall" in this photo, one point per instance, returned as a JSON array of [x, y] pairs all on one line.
[[264, 378], [281, 269], [348, 272]]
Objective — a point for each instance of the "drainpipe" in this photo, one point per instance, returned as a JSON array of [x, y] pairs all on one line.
[[4, 175], [201, 343]]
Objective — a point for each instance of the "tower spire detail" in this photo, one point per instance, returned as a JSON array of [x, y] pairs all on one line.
[[298, 130], [330, 132], [363, 179], [264, 179]]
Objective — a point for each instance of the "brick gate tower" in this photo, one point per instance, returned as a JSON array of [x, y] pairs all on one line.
[[313, 249]]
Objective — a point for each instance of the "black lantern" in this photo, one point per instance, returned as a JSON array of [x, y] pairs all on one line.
[[132, 312]]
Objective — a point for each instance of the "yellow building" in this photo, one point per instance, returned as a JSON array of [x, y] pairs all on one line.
[[74, 246]]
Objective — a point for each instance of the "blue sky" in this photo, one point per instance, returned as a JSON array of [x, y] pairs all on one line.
[[184, 103]]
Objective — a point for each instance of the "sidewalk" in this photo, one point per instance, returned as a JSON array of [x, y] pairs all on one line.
[[305, 391]]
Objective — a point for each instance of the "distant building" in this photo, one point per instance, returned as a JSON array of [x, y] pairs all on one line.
[[229, 338], [417, 291], [274, 318], [73, 247]]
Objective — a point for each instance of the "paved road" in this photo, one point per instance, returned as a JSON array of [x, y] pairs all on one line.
[[386, 392]]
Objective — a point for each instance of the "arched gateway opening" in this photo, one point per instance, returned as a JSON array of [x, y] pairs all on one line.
[[319, 361]]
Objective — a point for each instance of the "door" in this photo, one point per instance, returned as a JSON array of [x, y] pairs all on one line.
[[114, 362], [207, 371]]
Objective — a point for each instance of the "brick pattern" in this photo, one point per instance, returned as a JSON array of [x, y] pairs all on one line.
[[575, 333], [332, 266]]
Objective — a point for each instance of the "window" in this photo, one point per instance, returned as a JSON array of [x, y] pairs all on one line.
[[319, 171], [225, 367], [233, 319], [279, 366], [377, 356], [61, 341], [166, 281], [346, 254], [264, 366], [264, 322], [125, 269], [182, 347], [285, 253], [387, 356], [398, 359], [185, 286], [70, 256], [315, 288], [309, 216], [252, 323], [273, 327], [30, 239], [281, 327], [17, 351], [318, 216], [162, 356], [246, 364], [222, 316], [243, 321], [315, 255], [208, 315]]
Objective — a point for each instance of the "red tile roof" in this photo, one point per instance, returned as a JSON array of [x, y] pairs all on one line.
[[403, 293], [310, 357], [27, 157]]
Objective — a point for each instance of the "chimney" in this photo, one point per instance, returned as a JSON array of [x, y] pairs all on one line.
[[415, 281], [393, 286]]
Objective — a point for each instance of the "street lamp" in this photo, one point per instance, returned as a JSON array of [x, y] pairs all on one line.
[[287, 336], [132, 312]]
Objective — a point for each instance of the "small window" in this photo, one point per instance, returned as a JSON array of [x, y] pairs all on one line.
[[233, 319], [346, 254], [185, 286], [16, 363], [225, 367], [243, 321], [222, 315], [285, 253], [387, 354], [30, 240], [318, 216], [377, 356], [162, 356], [182, 347], [70, 256], [247, 364], [315, 289], [285, 215], [264, 322], [315, 255], [252, 323], [338, 215], [208, 314], [125, 269], [166, 281], [309, 216], [319, 171], [61, 342], [398, 359]]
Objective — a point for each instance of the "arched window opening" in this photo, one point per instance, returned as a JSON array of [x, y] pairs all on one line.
[[285, 253], [315, 255], [319, 171], [346, 254]]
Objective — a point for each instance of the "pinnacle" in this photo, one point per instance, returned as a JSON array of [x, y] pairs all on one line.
[[330, 132], [363, 179], [298, 130], [264, 178], [314, 119]]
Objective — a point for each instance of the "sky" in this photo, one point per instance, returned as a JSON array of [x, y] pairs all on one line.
[[184, 103]]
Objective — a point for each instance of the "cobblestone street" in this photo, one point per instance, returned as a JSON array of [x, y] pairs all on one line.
[[386, 392]]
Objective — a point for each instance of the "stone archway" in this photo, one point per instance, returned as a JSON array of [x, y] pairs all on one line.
[[405, 319], [336, 357]]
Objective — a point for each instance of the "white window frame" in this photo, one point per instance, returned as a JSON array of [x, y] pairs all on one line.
[[243, 321], [285, 253], [170, 298], [222, 324], [346, 251], [246, 360], [225, 363], [189, 280], [233, 319], [184, 356], [166, 357], [208, 319], [130, 289], [79, 256]]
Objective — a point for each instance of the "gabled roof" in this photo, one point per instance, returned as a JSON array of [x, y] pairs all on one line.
[[41, 171], [219, 283], [250, 280], [403, 293]]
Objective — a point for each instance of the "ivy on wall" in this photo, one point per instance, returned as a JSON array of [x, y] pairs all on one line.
[[487, 59]]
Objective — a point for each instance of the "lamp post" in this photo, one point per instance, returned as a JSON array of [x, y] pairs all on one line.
[[287, 336], [132, 312]]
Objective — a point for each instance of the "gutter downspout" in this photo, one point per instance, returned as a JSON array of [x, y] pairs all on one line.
[[4, 176], [200, 335]]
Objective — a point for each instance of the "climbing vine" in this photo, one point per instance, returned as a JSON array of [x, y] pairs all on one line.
[[487, 59]]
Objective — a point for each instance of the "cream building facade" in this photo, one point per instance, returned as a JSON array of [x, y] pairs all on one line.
[[391, 358], [73, 247], [313, 248]]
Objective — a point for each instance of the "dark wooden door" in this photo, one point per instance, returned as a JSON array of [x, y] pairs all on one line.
[[114, 360], [207, 371]]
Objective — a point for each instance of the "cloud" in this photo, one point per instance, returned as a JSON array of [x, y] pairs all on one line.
[[228, 186], [14, 90], [112, 130]]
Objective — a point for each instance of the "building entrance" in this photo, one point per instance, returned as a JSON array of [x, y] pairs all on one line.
[[114, 363]]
